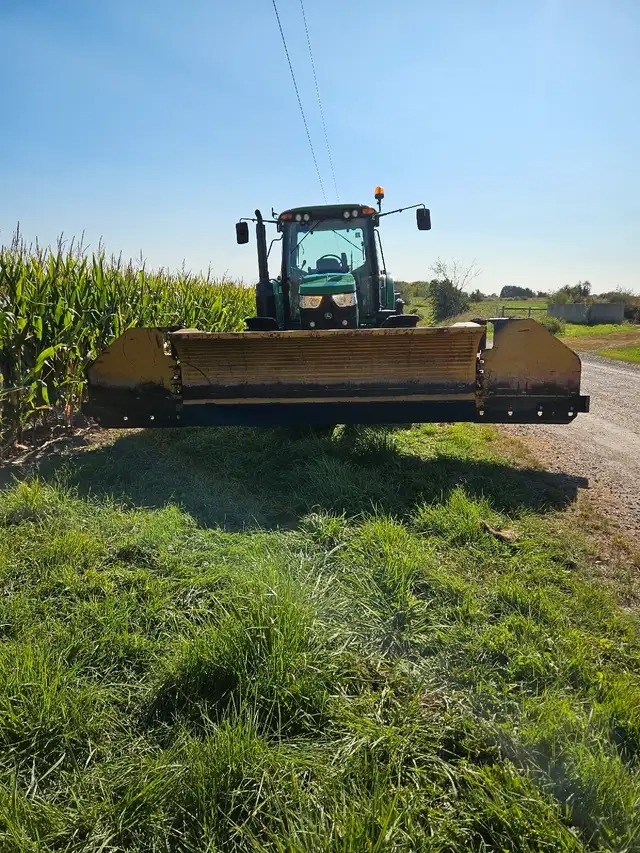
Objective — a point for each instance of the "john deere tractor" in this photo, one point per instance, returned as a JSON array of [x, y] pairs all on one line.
[[332, 274], [329, 344]]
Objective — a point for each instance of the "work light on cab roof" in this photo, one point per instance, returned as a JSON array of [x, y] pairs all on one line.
[[330, 343]]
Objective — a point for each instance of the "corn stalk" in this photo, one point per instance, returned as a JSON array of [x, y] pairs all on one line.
[[60, 307]]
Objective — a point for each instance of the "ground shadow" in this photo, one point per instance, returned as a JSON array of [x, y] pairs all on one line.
[[238, 478]]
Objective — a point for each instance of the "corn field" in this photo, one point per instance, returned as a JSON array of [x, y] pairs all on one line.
[[60, 307]]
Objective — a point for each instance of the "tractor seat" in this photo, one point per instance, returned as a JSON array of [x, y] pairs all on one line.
[[328, 265]]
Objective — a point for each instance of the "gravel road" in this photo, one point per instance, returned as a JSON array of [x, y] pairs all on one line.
[[603, 445]]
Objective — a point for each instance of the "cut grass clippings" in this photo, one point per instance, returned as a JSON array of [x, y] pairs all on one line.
[[227, 640]]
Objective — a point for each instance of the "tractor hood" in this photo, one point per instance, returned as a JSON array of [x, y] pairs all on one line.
[[327, 282]]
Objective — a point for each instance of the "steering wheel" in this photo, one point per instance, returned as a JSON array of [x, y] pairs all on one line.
[[335, 257]]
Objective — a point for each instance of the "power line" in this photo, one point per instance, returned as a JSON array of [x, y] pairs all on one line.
[[295, 86], [315, 80]]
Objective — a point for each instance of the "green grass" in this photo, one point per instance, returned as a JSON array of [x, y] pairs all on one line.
[[228, 640], [484, 310], [630, 354], [577, 330], [421, 306], [515, 307]]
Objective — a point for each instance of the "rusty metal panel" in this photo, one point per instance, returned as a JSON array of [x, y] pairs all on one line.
[[328, 364], [528, 360]]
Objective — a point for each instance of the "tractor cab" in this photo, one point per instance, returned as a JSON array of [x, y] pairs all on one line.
[[331, 275], [329, 264]]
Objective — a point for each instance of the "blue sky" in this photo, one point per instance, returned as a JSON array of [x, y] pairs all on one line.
[[155, 125]]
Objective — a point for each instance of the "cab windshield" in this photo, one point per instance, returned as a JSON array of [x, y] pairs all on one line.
[[328, 246]]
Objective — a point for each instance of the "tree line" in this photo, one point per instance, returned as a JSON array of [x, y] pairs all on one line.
[[448, 292]]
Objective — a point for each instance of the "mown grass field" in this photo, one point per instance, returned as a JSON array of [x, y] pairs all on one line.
[[619, 337], [577, 330], [484, 310], [228, 640], [630, 354], [514, 308]]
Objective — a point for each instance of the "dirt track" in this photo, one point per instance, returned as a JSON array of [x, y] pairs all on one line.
[[604, 445]]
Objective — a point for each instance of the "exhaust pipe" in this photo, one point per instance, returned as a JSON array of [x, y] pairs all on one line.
[[265, 302]]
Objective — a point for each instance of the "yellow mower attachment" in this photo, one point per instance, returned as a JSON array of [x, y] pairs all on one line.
[[151, 377]]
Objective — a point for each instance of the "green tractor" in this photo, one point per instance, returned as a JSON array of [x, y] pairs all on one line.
[[333, 274], [330, 344]]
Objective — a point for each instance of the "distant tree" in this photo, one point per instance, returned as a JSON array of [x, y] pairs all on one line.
[[446, 291], [447, 288], [512, 291], [542, 294], [409, 290], [618, 295], [630, 300], [447, 299], [458, 274], [580, 292], [402, 287]]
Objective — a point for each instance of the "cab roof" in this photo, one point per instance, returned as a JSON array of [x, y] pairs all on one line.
[[328, 210]]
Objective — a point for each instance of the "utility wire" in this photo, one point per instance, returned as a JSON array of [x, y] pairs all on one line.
[[295, 86], [315, 80]]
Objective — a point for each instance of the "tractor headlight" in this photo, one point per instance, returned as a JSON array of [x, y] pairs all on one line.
[[344, 300], [310, 301]]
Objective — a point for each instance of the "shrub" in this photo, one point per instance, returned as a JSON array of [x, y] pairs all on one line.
[[552, 324], [580, 292], [448, 300], [630, 301]]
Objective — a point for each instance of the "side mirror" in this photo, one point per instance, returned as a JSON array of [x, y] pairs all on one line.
[[423, 219], [242, 232]]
